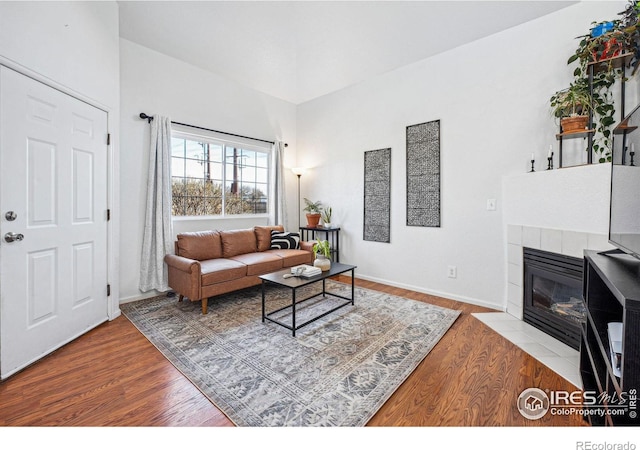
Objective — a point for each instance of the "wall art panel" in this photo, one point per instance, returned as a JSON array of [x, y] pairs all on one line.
[[377, 195], [423, 174]]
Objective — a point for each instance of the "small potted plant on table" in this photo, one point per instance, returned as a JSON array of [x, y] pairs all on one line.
[[322, 254]]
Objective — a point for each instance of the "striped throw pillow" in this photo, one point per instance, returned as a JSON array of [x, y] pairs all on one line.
[[284, 240]]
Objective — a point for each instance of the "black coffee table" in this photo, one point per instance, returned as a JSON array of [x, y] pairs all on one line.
[[294, 283]]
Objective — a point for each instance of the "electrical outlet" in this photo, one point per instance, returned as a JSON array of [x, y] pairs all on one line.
[[452, 271], [491, 204]]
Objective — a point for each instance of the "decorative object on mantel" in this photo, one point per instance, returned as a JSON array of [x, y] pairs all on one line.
[[533, 160], [423, 174], [632, 154], [314, 210], [550, 158], [377, 195], [322, 253]]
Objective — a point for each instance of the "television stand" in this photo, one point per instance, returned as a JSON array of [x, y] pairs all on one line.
[[611, 294]]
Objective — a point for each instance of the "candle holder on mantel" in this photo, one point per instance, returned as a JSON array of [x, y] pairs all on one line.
[[532, 162], [632, 154], [550, 162]]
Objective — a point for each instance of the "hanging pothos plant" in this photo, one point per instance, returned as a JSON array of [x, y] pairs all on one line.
[[591, 50], [618, 37]]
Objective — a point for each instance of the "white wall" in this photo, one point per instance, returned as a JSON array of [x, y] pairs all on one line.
[[72, 46], [491, 97], [157, 84], [72, 43], [572, 198]]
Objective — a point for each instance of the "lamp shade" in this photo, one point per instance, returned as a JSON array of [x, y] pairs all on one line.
[[298, 170]]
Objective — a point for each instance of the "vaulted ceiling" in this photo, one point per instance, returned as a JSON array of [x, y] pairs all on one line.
[[300, 50]]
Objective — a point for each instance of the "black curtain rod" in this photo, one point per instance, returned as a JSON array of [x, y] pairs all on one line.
[[150, 118]]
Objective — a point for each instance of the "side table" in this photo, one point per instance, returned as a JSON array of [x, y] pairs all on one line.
[[330, 234]]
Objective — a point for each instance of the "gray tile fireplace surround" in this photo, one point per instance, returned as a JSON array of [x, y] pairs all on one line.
[[556, 355]]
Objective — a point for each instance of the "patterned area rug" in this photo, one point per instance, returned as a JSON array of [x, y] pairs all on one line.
[[337, 371]]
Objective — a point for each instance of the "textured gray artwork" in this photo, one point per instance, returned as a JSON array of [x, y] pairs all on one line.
[[423, 174], [377, 195]]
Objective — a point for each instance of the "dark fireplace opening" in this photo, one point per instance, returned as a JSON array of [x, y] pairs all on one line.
[[553, 299]]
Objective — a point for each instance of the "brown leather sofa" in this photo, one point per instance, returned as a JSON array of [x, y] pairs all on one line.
[[209, 263]]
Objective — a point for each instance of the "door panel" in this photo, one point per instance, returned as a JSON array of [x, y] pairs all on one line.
[[83, 168], [41, 280], [53, 166], [41, 187]]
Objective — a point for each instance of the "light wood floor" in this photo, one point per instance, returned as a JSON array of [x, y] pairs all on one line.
[[112, 376]]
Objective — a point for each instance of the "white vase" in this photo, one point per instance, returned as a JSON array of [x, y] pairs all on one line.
[[322, 262], [327, 225]]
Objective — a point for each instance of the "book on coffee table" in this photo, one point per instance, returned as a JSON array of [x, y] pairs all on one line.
[[306, 271]]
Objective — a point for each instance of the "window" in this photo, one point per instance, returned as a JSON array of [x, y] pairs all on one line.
[[213, 177]]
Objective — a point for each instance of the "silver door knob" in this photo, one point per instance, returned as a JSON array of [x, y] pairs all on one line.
[[10, 237]]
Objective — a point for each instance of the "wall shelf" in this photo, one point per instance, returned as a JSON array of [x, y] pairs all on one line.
[[622, 61], [616, 62], [574, 134], [622, 129]]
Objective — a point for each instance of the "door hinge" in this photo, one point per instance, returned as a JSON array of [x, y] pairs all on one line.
[[108, 290], [108, 138], [108, 215]]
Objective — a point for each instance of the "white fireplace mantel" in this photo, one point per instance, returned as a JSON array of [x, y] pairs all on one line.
[[563, 211]]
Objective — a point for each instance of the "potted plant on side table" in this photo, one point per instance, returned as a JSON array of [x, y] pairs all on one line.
[[326, 216], [314, 210], [322, 254]]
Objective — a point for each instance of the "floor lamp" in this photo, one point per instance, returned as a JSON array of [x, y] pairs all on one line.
[[298, 171]]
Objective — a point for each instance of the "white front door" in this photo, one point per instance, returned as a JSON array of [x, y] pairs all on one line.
[[53, 198]]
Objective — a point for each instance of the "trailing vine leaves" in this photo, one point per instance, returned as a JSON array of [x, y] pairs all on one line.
[[604, 112], [592, 49], [622, 36]]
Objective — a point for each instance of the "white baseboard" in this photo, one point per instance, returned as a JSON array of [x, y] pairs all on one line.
[[144, 296], [470, 300], [446, 295]]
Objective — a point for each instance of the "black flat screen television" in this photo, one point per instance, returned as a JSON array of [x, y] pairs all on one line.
[[624, 213]]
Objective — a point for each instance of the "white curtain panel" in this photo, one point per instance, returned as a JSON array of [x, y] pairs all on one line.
[[158, 229], [277, 206]]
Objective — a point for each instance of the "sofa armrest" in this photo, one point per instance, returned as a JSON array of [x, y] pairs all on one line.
[[184, 276], [182, 263], [307, 245]]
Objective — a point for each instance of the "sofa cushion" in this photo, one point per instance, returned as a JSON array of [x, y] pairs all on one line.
[[238, 242], [292, 258], [259, 263], [200, 245], [284, 240], [220, 270], [263, 236]]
